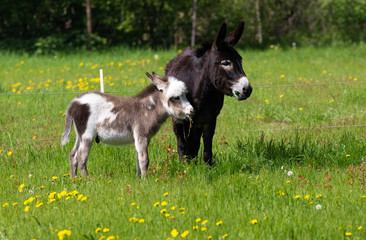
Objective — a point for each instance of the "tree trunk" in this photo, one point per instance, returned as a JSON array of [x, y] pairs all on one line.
[[258, 15], [194, 16], [88, 24]]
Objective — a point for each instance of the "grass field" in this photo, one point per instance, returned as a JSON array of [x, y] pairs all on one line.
[[289, 161]]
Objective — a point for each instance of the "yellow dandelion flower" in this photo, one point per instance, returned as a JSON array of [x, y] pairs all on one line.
[[209, 237], [359, 228], [14, 204], [204, 222], [29, 200], [61, 234], [300, 109], [218, 223], [307, 197], [225, 235], [174, 232], [141, 220], [166, 194], [133, 204], [282, 76], [355, 79], [266, 101], [166, 215], [281, 96], [11, 176], [203, 229], [98, 230], [348, 234], [173, 208], [10, 153], [26, 209], [348, 155], [102, 237], [319, 195], [105, 229], [156, 204], [112, 238], [254, 221], [163, 210], [195, 227], [324, 71], [39, 204], [198, 220], [297, 196], [5, 204], [54, 178], [164, 203], [81, 64], [84, 199], [184, 234]]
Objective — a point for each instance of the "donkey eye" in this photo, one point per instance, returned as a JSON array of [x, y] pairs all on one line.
[[175, 98], [226, 63]]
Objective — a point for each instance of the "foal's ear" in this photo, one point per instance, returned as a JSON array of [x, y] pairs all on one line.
[[220, 37], [158, 81], [235, 35]]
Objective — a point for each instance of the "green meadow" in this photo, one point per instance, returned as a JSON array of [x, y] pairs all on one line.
[[289, 161]]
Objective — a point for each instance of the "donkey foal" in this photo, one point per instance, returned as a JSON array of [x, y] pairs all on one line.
[[118, 120]]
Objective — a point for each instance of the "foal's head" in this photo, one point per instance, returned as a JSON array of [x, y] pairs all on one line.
[[174, 95], [225, 64]]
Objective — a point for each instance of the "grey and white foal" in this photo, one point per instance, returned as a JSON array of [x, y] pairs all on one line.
[[119, 120]]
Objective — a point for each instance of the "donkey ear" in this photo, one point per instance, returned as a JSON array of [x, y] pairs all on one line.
[[235, 35], [220, 37], [149, 76], [158, 81]]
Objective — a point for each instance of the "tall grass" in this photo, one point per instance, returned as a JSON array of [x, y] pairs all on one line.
[[277, 173]]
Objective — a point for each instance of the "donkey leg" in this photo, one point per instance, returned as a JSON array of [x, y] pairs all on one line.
[[194, 142], [208, 133], [72, 158], [181, 140], [141, 144], [83, 154]]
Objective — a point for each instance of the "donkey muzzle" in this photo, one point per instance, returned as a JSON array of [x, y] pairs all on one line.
[[242, 89]]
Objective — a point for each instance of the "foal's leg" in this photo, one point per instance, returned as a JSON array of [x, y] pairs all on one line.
[[82, 155], [141, 144], [138, 165], [72, 157]]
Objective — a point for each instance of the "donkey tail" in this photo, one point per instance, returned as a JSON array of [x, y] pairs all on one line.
[[68, 124]]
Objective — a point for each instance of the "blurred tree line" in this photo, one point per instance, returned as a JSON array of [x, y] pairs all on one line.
[[44, 26]]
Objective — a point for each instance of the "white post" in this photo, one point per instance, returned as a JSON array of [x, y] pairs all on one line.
[[101, 81]]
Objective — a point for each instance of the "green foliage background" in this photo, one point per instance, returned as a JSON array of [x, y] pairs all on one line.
[[46, 26]]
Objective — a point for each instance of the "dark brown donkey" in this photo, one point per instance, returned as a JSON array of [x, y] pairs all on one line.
[[209, 73]]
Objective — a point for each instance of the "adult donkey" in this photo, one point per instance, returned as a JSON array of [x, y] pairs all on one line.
[[209, 73]]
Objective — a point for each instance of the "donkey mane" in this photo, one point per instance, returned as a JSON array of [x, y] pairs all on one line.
[[147, 91]]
